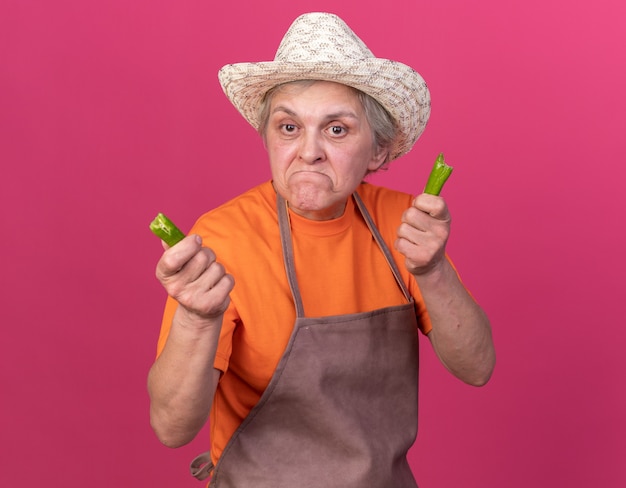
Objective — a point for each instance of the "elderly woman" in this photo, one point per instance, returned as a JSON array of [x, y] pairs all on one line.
[[294, 309]]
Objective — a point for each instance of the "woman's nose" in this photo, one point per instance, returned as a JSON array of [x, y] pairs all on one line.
[[311, 148]]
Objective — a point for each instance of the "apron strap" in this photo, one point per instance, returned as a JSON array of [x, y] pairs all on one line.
[[381, 243], [285, 238]]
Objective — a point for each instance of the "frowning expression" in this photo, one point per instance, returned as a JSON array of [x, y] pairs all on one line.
[[320, 146]]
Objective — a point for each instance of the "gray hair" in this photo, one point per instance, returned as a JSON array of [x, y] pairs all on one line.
[[384, 128]]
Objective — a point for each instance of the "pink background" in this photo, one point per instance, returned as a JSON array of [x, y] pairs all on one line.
[[111, 111]]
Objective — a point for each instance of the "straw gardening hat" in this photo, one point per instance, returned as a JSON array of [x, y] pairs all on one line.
[[320, 46]]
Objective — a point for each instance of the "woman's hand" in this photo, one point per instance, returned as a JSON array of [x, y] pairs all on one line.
[[423, 234], [192, 276]]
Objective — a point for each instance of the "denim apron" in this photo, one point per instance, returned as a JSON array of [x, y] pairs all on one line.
[[341, 407]]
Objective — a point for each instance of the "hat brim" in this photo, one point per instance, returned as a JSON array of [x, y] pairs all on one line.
[[396, 86]]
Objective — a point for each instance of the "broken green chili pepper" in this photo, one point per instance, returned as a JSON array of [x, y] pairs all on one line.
[[438, 176], [164, 228]]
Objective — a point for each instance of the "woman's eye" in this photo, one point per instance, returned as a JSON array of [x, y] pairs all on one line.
[[337, 130], [289, 128]]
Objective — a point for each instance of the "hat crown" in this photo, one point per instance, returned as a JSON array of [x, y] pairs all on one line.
[[321, 37], [320, 46]]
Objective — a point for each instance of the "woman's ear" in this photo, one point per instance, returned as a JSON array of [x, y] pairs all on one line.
[[379, 158]]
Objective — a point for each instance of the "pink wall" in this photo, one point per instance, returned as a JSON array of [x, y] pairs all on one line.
[[111, 112]]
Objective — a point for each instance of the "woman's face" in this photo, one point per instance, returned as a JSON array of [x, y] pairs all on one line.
[[320, 147]]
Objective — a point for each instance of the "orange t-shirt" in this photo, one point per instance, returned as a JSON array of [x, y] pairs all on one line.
[[340, 270]]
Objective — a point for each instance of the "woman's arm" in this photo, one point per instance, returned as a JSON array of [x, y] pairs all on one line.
[[461, 333], [182, 381]]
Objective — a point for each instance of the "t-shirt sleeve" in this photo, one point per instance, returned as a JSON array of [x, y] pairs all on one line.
[[166, 323], [225, 346]]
